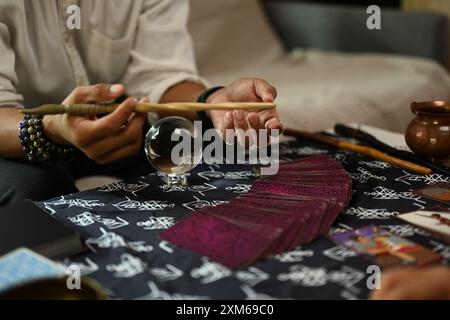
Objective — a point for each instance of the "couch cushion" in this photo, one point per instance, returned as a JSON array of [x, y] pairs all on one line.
[[231, 34]]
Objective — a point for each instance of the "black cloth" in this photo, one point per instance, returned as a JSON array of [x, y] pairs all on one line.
[[121, 222]]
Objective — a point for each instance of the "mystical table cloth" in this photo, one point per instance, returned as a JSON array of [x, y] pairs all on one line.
[[120, 224]]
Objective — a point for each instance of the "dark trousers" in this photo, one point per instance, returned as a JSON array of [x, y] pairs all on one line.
[[39, 181]]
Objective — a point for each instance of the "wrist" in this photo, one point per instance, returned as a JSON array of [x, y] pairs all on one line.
[[51, 129]]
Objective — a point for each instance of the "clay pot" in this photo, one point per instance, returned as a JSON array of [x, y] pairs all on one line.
[[428, 134]]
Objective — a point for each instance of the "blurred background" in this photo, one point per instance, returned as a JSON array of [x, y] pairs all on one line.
[[327, 65]]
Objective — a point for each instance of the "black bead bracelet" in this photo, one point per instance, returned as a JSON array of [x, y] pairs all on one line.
[[37, 146]]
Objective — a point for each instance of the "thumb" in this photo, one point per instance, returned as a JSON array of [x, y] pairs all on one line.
[[265, 91]]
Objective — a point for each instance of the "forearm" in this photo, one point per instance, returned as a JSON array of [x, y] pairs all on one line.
[[10, 146], [183, 92]]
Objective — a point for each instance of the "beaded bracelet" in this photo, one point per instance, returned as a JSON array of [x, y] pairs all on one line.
[[37, 146]]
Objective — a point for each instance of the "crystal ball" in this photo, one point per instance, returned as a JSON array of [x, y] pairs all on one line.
[[170, 146]]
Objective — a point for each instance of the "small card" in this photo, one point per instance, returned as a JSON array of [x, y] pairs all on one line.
[[386, 248], [438, 192], [437, 223], [23, 265]]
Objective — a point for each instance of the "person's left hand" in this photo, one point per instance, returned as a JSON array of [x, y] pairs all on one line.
[[245, 90]]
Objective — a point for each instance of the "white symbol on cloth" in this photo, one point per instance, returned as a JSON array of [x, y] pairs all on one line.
[[308, 151], [339, 253], [252, 276], [340, 157], [239, 188], [106, 240], [140, 246], [294, 255], [238, 175], [363, 213], [82, 203], [86, 218], [169, 273], [251, 294], [305, 276], [194, 188], [363, 175], [164, 245], [128, 267], [132, 188], [151, 205], [429, 179], [316, 277], [199, 204], [172, 188], [202, 188], [157, 294], [376, 164], [382, 193], [346, 277], [442, 249], [406, 230], [157, 223], [210, 272], [114, 240], [85, 268]]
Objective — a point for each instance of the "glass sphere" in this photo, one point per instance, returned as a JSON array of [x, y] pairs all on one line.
[[170, 147]]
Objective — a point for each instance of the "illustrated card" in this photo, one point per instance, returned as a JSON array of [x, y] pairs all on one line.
[[386, 248]]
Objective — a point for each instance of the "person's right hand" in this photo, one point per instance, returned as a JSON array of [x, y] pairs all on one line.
[[112, 137]]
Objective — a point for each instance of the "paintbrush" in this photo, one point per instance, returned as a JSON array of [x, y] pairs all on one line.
[[93, 109], [371, 152]]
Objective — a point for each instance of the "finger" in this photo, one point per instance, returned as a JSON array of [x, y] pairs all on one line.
[[114, 121], [95, 93], [226, 126], [265, 91], [273, 124], [128, 136], [254, 125], [240, 126]]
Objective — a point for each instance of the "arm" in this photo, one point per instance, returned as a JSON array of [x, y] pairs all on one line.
[[9, 133], [9, 99]]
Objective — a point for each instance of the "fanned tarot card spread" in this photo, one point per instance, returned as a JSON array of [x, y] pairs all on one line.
[[293, 207]]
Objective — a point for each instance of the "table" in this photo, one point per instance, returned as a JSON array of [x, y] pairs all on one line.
[[120, 223]]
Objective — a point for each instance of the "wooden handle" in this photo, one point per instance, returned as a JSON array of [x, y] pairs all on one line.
[[89, 109], [385, 157]]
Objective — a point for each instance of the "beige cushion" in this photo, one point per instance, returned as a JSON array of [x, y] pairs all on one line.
[[231, 34]]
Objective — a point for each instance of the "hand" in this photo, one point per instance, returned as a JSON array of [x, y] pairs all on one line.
[[427, 283], [245, 90], [114, 136]]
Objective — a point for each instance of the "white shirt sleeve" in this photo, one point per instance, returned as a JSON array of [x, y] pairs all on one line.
[[8, 77], [162, 54]]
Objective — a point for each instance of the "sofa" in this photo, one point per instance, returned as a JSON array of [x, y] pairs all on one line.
[[326, 65]]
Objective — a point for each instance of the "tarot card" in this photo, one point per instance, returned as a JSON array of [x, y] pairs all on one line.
[[308, 217], [264, 220], [436, 222], [233, 245], [385, 248], [23, 265], [438, 192]]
